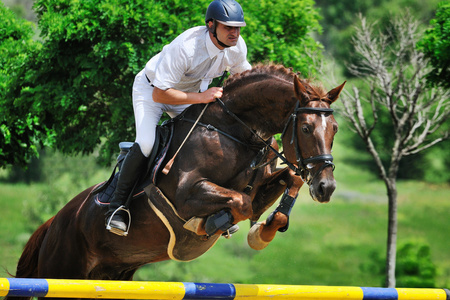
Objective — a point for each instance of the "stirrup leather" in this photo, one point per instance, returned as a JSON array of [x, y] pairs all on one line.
[[115, 230]]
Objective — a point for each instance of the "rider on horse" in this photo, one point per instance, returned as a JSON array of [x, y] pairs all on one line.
[[171, 81]]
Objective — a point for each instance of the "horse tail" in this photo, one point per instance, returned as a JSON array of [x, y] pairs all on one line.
[[28, 262], [27, 267]]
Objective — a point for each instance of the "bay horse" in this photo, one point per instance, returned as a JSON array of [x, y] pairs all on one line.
[[214, 171]]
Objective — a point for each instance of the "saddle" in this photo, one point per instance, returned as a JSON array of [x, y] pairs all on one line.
[[164, 134]]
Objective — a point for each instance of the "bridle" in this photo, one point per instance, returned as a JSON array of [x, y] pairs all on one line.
[[326, 159], [302, 169]]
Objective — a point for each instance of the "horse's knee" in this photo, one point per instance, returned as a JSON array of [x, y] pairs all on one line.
[[241, 207]]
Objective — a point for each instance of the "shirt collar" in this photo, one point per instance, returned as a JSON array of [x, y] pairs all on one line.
[[212, 49]]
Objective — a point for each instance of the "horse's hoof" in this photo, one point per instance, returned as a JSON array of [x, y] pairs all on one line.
[[254, 239]]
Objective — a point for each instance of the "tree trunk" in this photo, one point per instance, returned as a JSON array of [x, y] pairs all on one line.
[[392, 233]]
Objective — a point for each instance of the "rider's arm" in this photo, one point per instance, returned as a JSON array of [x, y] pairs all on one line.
[[173, 96]]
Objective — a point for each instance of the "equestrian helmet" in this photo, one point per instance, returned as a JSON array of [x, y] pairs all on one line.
[[227, 12]]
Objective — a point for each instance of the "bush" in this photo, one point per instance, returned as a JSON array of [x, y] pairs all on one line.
[[18, 143], [414, 267], [436, 45]]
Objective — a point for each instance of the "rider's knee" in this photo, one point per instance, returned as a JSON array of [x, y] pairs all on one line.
[[146, 148]]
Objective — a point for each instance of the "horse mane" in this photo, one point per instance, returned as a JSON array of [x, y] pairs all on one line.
[[261, 72]]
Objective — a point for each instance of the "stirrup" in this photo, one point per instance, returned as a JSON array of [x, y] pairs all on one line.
[[227, 234], [115, 230]]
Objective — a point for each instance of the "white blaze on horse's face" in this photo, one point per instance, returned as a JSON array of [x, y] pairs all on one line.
[[324, 122]]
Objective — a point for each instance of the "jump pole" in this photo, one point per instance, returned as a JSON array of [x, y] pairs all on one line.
[[61, 288]]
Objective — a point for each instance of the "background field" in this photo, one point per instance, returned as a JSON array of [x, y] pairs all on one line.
[[326, 244]]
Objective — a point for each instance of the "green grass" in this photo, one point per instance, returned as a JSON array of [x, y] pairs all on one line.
[[326, 244], [13, 233]]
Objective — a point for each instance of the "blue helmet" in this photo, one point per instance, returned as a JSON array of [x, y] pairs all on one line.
[[227, 12]]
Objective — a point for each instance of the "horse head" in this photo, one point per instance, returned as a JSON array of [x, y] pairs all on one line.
[[308, 137]]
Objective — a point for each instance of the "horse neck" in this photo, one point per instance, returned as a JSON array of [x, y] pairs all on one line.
[[264, 105]]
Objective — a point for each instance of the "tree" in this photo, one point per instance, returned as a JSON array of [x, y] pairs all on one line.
[[436, 45], [74, 93], [395, 74], [339, 22], [282, 31], [16, 44]]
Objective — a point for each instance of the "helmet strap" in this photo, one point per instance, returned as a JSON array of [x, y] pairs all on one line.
[[214, 32]]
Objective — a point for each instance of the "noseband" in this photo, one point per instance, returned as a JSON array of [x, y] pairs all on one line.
[[326, 159], [302, 169]]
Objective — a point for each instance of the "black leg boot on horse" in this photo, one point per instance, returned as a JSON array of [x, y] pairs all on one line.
[[118, 217]]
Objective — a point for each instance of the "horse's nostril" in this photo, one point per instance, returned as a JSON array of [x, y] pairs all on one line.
[[325, 189], [322, 188]]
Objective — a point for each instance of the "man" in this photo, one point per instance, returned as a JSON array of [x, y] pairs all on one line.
[[171, 81]]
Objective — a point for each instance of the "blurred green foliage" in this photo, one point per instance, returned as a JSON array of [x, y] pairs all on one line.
[[16, 44], [414, 266], [436, 45]]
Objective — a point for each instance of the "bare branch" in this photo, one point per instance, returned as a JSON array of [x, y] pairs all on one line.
[[446, 136], [396, 73]]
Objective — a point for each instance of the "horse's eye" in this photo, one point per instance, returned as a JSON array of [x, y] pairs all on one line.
[[305, 129]]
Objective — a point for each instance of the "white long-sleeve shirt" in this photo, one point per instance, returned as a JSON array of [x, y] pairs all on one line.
[[185, 62]]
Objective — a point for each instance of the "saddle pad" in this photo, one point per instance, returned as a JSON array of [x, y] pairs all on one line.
[[184, 245], [106, 193]]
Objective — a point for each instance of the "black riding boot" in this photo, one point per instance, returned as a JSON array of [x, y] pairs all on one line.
[[118, 217]]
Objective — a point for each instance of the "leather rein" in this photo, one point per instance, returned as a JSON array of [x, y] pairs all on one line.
[[302, 169]]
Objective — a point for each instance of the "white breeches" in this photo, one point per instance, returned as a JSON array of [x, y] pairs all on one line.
[[148, 113]]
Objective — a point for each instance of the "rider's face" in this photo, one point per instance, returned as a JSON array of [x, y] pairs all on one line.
[[227, 34]]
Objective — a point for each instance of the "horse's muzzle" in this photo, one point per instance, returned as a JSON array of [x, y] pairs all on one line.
[[322, 188]]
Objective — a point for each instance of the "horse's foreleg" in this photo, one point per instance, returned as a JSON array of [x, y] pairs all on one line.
[[269, 189], [262, 233]]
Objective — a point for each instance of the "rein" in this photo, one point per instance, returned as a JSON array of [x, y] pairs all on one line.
[[302, 169]]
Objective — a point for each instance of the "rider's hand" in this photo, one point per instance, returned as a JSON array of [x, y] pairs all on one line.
[[211, 94]]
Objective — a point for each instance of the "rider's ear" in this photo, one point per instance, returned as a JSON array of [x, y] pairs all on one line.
[[211, 26], [333, 95], [300, 90]]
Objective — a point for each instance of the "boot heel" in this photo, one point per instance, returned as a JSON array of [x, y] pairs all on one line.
[[116, 230]]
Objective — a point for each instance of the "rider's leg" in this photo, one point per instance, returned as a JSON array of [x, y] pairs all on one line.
[[147, 114], [132, 167]]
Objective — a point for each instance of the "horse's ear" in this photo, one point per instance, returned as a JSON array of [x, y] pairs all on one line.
[[300, 90], [333, 95]]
